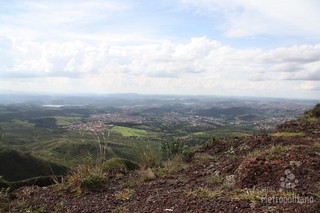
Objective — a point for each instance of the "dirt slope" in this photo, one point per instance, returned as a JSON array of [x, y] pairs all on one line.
[[267, 173]]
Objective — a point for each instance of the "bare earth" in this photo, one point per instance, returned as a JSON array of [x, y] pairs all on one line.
[[265, 173]]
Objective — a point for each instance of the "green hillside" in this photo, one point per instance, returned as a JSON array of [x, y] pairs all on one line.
[[15, 166]]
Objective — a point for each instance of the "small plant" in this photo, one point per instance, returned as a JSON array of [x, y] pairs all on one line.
[[255, 153], [173, 166], [313, 113], [211, 142], [59, 207], [94, 182], [249, 194], [130, 183], [4, 197], [124, 194], [120, 209], [229, 182], [316, 145], [87, 177], [187, 155], [204, 193], [215, 179], [172, 148], [147, 175], [279, 149], [226, 187], [317, 194], [288, 134], [148, 157], [203, 157], [231, 153], [118, 165]]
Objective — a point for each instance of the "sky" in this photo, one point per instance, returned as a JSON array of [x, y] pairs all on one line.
[[184, 47]]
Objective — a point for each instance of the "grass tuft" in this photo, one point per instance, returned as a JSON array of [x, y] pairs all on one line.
[[288, 134], [119, 165], [124, 194], [204, 193], [87, 176], [316, 145], [215, 179]]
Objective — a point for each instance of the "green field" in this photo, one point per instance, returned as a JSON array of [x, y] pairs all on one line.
[[129, 132], [66, 120]]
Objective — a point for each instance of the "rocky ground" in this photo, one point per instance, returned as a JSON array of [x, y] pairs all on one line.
[[265, 173]]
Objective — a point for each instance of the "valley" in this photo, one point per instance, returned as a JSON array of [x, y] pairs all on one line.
[[64, 130]]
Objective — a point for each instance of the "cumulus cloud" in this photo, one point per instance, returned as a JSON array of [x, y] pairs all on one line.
[[200, 57], [292, 63], [119, 46], [295, 54]]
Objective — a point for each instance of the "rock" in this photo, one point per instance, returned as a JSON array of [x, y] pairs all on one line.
[[295, 163], [230, 180]]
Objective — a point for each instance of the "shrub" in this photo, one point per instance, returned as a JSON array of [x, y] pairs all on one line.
[[172, 166], [94, 182], [125, 194], [172, 148], [215, 179], [187, 155], [148, 157], [115, 165], [147, 175], [86, 176], [314, 112], [211, 142]]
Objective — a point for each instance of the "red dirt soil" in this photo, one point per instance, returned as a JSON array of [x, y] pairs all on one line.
[[236, 175]]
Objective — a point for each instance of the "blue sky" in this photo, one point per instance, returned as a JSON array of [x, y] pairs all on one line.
[[204, 47]]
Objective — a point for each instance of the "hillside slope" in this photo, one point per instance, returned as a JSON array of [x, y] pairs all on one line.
[[276, 172], [15, 166]]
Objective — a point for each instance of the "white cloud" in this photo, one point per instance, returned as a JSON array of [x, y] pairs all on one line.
[[309, 85], [293, 63], [295, 54], [200, 66]]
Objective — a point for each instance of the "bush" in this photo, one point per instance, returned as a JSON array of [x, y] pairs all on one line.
[[147, 175], [313, 113], [175, 165], [148, 157], [94, 182], [86, 176], [172, 149], [116, 165], [187, 155]]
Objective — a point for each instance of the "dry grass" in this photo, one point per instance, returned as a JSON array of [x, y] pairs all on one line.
[[204, 193], [203, 157], [288, 134], [124, 194], [216, 180]]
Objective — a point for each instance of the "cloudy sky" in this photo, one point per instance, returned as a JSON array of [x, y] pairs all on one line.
[[200, 47]]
